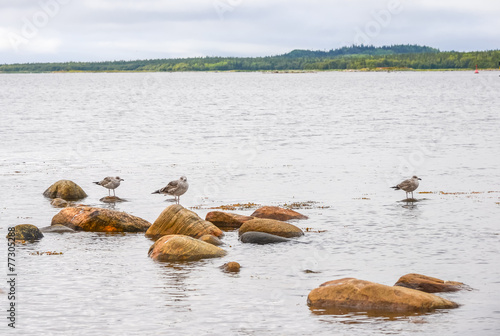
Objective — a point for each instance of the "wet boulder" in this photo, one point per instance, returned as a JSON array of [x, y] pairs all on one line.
[[65, 189], [261, 238], [112, 199], [274, 212], [59, 203], [211, 240], [429, 284], [271, 226], [85, 218], [177, 220], [361, 295], [226, 220], [183, 248], [231, 267], [25, 232]]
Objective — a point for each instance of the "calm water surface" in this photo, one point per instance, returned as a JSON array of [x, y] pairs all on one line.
[[337, 139]]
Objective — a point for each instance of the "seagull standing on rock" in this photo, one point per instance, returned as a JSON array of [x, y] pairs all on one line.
[[110, 183], [408, 186], [175, 188]]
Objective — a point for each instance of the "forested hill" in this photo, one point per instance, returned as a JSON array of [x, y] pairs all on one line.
[[363, 50], [353, 57]]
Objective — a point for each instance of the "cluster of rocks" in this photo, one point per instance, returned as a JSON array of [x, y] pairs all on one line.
[[181, 235]]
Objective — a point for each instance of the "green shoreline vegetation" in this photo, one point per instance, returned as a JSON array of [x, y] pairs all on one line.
[[357, 58]]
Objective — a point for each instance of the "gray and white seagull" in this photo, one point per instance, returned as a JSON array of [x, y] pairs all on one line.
[[175, 188], [111, 183], [408, 186]]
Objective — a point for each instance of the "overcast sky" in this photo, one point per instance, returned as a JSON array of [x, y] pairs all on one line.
[[97, 30]]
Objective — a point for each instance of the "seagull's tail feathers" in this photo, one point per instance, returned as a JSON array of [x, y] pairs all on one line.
[[156, 192], [98, 183], [396, 188]]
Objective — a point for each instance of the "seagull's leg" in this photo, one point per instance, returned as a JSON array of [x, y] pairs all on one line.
[[114, 193], [109, 192]]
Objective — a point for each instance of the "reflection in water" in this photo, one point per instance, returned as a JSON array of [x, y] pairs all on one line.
[[350, 316]]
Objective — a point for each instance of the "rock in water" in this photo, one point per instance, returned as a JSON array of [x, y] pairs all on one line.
[[428, 284], [25, 232], [59, 203], [183, 248], [177, 220], [231, 267], [274, 212], [361, 295], [65, 189], [271, 226], [262, 238], [85, 218], [112, 199], [57, 229], [226, 220], [211, 240]]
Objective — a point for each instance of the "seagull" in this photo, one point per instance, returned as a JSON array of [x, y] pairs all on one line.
[[408, 185], [110, 183], [175, 188]]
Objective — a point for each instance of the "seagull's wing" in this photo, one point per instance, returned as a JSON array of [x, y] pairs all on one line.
[[406, 184], [172, 185]]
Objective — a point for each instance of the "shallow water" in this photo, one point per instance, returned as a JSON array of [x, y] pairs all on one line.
[[338, 139]]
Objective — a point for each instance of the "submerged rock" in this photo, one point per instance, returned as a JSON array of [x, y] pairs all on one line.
[[59, 203], [231, 267], [85, 218], [57, 229], [226, 219], [183, 248], [262, 238], [112, 199], [354, 294], [65, 189], [271, 226], [429, 284], [177, 220], [25, 232], [211, 240], [274, 212]]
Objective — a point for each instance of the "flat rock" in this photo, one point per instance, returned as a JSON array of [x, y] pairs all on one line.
[[274, 212], [85, 218], [429, 284], [175, 219], [226, 220], [65, 189], [25, 232], [183, 248], [361, 295], [271, 226], [59, 203], [57, 229], [112, 199], [262, 238]]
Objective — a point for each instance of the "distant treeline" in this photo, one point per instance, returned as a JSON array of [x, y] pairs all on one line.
[[353, 57]]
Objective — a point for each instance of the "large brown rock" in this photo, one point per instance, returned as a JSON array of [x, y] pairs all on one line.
[[274, 212], [226, 220], [65, 189], [429, 284], [183, 248], [24, 232], [354, 294], [177, 220], [271, 226], [85, 218]]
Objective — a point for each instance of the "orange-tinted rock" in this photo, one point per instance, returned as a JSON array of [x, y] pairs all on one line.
[[354, 294], [271, 226], [429, 284], [226, 219], [274, 212], [177, 220], [183, 248], [24, 232], [85, 218], [231, 267], [211, 240], [65, 189]]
